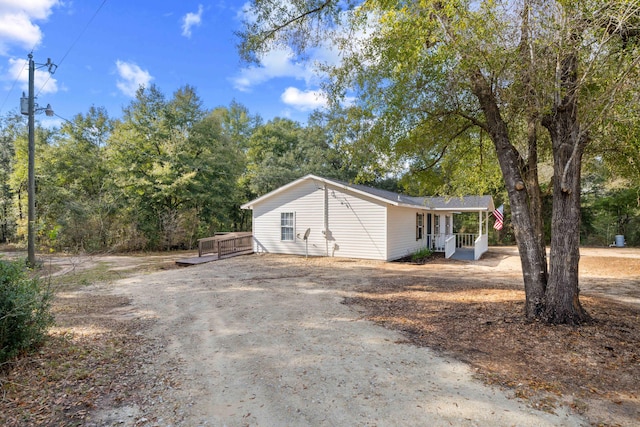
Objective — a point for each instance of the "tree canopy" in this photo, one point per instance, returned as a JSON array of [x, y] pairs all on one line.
[[438, 74]]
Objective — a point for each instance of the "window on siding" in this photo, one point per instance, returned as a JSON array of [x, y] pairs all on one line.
[[419, 226], [287, 225]]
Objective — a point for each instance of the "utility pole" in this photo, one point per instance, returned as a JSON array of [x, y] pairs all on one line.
[[31, 184]]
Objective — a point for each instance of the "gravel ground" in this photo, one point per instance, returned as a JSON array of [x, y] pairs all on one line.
[[265, 340]]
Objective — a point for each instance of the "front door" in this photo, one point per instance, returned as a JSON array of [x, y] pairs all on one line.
[[429, 231], [438, 234]]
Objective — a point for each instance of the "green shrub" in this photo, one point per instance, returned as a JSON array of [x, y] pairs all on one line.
[[421, 254], [25, 310]]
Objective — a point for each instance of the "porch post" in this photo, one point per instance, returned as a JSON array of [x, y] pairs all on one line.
[[479, 223], [486, 224]]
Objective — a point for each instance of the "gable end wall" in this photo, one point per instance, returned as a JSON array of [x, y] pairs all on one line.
[[306, 200], [357, 225]]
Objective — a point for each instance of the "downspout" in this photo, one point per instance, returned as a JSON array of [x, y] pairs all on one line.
[[326, 218]]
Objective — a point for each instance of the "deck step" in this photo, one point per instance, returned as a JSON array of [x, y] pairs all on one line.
[[208, 258], [464, 254], [196, 260]]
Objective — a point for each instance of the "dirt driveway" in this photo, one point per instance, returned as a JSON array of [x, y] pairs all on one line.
[[265, 341]]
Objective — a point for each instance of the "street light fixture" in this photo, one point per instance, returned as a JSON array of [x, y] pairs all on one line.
[[29, 108], [48, 111]]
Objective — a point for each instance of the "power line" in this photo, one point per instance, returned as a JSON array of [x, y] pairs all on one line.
[[66, 120], [12, 87], [17, 78], [74, 42], [82, 32], [4, 102]]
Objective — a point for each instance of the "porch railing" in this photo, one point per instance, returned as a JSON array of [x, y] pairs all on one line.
[[481, 246], [466, 240], [450, 246], [448, 243], [435, 242]]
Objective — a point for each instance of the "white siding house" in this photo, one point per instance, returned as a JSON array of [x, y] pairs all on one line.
[[325, 217]]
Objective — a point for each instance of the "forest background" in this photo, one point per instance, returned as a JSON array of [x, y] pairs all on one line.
[[171, 171]]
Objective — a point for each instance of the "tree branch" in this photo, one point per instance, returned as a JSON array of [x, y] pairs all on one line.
[[265, 35], [473, 120], [435, 162]]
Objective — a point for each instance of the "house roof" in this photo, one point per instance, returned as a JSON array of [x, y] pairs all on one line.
[[466, 203]]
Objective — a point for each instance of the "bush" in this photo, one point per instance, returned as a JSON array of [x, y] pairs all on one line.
[[421, 254], [25, 310]]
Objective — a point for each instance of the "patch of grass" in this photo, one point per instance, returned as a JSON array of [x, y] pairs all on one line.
[[101, 272]]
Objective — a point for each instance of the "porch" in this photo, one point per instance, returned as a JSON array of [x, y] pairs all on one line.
[[463, 246], [439, 223]]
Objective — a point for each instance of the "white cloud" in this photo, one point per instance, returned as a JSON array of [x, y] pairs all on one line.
[[304, 100], [191, 20], [43, 82], [16, 22], [275, 64], [131, 77], [38, 9], [281, 62], [50, 122]]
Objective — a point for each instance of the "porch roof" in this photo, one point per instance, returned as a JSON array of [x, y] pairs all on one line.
[[464, 203]]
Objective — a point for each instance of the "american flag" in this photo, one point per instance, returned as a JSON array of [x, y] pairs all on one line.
[[498, 214]]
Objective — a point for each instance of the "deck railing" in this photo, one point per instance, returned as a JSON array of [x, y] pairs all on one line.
[[233, 245], [207, 245], [230, 242]]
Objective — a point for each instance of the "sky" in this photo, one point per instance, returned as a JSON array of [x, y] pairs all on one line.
[[105, 49]]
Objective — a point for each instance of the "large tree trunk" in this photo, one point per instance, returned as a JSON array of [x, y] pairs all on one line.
[[530, 165], [568, 142], [532, 255], [530, 172], [562, 295]]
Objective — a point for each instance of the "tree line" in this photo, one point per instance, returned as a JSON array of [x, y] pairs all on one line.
[[170, 171]]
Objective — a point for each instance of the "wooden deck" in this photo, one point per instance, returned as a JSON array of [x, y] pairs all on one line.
[[220, 246], [225, 243]]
